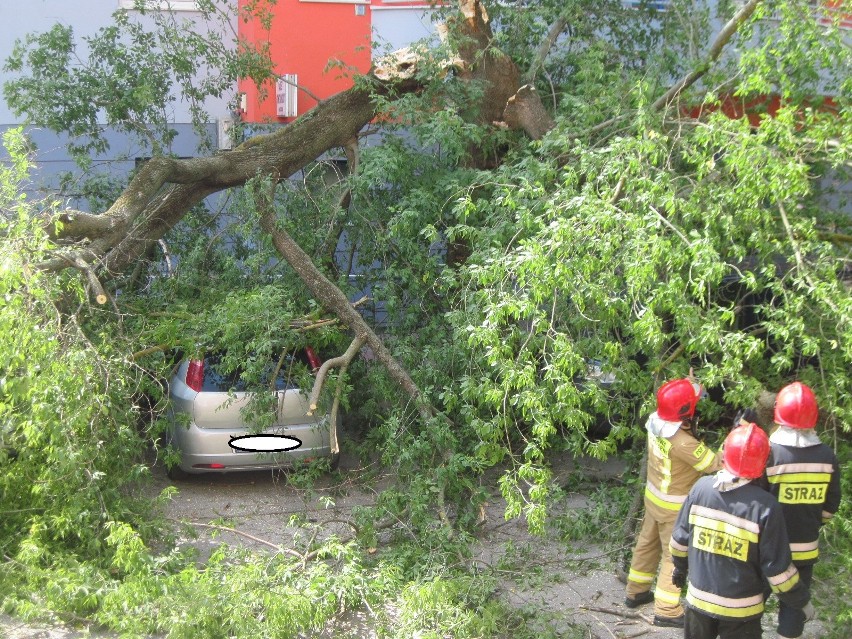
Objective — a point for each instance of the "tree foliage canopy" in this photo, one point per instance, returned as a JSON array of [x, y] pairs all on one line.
[[636, 230]]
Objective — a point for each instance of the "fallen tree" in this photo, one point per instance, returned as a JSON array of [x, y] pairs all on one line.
[[165, 189], [587, 231]]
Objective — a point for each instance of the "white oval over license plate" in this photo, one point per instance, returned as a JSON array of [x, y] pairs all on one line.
[[264, 443]]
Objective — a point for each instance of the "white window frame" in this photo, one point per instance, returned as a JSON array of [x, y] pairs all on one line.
[[162, 5], [287, 96]]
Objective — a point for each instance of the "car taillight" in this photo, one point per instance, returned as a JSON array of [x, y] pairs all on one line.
[[313, 359], [195, 374]]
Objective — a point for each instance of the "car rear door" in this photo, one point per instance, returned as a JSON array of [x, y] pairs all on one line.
[[220, 403]]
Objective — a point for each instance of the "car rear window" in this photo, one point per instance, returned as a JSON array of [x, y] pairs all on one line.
[[217, 380]]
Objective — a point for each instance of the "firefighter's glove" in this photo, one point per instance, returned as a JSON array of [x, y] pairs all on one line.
[[679, 578], [745, 416], [809, 611]]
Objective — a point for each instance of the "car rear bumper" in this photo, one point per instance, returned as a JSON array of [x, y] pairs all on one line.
[[209, 450]]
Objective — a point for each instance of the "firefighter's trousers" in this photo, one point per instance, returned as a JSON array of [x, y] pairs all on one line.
[[652, 552], [791, 621], [701, 626]]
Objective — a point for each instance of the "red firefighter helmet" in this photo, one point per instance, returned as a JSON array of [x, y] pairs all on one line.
[[746, 451], [676, 400], [796, 406]]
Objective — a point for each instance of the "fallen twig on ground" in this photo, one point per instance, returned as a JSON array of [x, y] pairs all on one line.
[[289, 551], [617, 613]]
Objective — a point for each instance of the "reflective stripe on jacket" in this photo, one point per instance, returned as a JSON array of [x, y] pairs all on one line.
[[729, 542], [806, 481], [674, 465]]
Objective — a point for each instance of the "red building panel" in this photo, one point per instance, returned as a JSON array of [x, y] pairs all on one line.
[[834, 10], [322, 42], [754, 109]]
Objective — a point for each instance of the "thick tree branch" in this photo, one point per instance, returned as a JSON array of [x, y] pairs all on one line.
[[484, 64], [165, 188], [525, 111], [505, 103], [85, 224], [81, 265], [333, 299], [159, 348], [341, 361], [327, 250], [713, 54], [544, 48]]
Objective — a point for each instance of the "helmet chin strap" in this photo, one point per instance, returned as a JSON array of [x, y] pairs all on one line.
[[690, 425]]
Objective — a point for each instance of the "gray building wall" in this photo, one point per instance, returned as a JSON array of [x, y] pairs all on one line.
[[86, 17]]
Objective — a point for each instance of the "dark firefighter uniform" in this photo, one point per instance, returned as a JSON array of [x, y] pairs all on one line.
[[806, 482], [730, 539], [803, 474]]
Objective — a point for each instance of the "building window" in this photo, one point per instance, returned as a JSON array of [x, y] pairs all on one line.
[[162, 5], [647, 4], [286, 96]]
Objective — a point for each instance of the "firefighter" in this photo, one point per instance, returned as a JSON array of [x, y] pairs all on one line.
[[676, 459], [730, 540], [803, 474]]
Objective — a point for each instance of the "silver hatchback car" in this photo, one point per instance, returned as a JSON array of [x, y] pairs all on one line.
[[208, 424]]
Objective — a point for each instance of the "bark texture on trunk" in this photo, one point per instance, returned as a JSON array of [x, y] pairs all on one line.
[[501, 104]]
